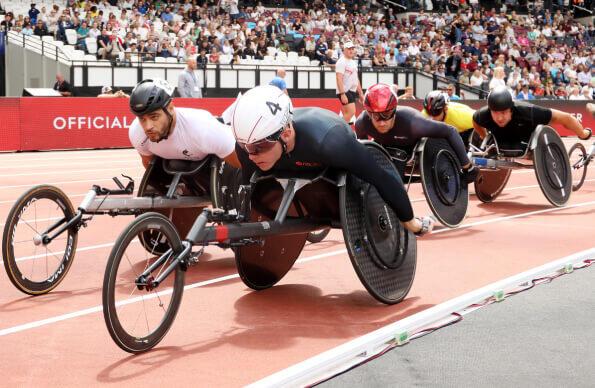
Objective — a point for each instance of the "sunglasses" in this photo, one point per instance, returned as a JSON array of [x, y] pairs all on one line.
[[383, 116], [263, 145]]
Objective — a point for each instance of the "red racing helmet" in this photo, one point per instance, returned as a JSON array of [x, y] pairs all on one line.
[[380, 98]]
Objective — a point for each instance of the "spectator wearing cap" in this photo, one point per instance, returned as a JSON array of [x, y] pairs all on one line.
[[188, 83], [279, 80], [33, 12], [347, 81]]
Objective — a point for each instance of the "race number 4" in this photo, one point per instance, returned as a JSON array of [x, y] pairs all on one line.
[[274, 107]]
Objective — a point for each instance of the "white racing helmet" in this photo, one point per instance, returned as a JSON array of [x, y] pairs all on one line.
[[259, 113]]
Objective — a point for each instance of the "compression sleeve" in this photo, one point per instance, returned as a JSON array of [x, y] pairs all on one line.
[[422, 127], [343, 151]]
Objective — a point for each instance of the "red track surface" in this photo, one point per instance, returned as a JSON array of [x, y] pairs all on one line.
[[227, 335]]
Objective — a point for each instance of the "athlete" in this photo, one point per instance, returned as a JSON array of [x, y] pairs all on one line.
[[160, 129], [272, 136], [403, 127], [439, 107], [513, 122]]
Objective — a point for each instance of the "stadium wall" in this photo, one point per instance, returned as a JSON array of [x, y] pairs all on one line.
[[36, 124]]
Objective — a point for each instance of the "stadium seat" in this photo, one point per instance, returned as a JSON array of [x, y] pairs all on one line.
[[171, 60], [71, 36], [271, 51], [91, 45], [160, 60], [47, 38], [304, 61]]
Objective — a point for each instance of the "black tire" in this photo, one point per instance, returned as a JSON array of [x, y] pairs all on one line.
[[146, 190], [17, 276], [318, 236], [126, 341], [577, 154]]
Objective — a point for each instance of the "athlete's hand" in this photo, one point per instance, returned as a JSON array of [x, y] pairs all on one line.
[[344, 99]]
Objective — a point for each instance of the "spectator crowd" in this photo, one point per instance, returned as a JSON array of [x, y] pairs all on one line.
[[542, 54]]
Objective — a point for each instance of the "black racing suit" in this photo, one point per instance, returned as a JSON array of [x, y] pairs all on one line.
[[410, 126], [323, 139], [516, 134]]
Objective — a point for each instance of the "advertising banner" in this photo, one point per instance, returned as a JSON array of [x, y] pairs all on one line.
[[76, 123]]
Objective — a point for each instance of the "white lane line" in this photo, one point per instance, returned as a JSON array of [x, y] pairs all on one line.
[[61, 172], [95, 309], [59, 183], [30, 325], [30, 156], [341, 357], [132, 162], [68, 195]]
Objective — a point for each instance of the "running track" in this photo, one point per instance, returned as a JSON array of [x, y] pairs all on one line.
[[227, 335]]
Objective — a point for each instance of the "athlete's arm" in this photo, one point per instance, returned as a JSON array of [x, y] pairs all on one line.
[[424, 127], [343, 151], [481, 131], [146, 159], [568, 121], [232, 160]]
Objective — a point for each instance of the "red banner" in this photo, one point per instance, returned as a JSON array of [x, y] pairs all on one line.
[[73, 123]]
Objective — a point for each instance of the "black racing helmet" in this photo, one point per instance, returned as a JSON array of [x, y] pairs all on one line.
[[435, 102], [500, 99], [150, 95]]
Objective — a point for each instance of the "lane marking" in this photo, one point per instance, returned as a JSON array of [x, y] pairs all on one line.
[[95, 309], [349, 353], [60, 172], [59, 183], [33, 166], [59, 318]]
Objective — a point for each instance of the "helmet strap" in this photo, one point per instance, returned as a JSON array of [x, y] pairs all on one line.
[[283, 144]]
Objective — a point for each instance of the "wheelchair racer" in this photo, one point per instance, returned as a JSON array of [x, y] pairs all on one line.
[[402, 127], [161, 129], [271, 136], [439, 107], [512, 122]]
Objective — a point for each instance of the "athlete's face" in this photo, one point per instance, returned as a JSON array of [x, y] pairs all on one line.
[[265, 160], [502, 118], [441, 116], [155, 124], [383, 126]]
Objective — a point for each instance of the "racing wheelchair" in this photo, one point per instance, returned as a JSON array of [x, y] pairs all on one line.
[[42, 225], [267, 235], [434, 163], [544, 152]]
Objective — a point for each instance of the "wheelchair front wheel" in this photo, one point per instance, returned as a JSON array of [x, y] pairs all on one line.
[[578, 157], [138, 318], [318, 236]]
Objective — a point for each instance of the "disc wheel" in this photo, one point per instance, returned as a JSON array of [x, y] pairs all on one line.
[[138, 318], [34, 267], [577, 156]]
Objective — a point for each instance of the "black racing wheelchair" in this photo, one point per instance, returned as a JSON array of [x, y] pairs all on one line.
[[544, 152], [142, 288], [434, 163], [41, 232]]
